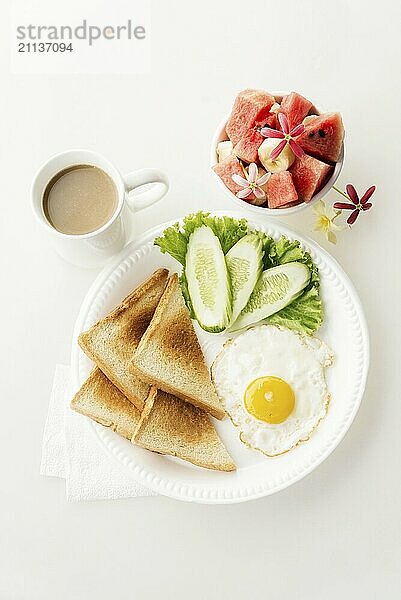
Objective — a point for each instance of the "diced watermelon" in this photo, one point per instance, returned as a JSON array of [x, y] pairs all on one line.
[[247, 147], [226, 168], [269, 121], [230, 166], [249, 106], [309, 175], [295, 107], [323, 137], [281, 190]]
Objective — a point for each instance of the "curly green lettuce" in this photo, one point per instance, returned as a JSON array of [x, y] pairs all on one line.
[[174, 240], [304, 314]]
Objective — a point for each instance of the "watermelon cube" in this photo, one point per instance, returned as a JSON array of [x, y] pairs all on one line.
[[295, 107], [281, 190], [309, 175], [249, 107], [226, 168], [269, 120], [247, 147], [323, 137], [230, 166]]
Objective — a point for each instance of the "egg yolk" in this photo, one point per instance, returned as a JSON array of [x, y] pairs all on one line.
[[269, 399]]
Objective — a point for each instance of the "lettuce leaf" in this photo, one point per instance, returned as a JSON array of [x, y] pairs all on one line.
[[304, 314], [175, 239]]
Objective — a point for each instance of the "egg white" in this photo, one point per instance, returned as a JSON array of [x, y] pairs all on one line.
[[298, 360]]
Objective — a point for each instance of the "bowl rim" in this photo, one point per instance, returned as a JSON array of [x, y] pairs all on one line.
[[217, 136]]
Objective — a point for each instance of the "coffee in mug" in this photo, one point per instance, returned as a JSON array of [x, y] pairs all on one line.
[[87, 208], [79, 199]]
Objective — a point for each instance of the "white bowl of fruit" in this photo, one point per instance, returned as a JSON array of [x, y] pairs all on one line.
[[277, 153]]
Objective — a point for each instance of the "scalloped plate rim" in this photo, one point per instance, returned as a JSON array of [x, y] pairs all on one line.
[[205, 496]]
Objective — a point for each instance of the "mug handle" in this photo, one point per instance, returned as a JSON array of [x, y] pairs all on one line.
[[136, 179]]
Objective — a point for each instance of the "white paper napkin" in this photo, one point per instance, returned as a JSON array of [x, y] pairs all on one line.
[[72, 450]]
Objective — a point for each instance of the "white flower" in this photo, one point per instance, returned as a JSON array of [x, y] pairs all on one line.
[[252, 183]]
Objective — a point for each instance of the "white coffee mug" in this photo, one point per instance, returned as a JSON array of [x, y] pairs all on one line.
[[93, 249]]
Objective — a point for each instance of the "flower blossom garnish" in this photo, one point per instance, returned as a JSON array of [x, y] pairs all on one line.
[[357, 205], [286, 136], [252, 183], [325, 218]]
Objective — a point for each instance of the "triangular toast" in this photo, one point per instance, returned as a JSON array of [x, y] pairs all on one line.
[[171, 426], [101, 401], [170, 357], [167, 425], [112, 341]]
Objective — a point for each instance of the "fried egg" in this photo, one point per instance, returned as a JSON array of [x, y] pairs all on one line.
[[272, 384]]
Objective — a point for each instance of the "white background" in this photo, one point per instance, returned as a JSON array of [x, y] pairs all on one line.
[[337, 532]]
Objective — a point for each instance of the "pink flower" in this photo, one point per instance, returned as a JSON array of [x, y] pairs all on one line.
[[357, 205], [252, 183], [287, 137]]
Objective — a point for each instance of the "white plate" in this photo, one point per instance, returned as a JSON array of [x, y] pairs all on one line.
[[344, 330]]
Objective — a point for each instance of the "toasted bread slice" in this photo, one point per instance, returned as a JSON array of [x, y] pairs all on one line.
[[167, 425], [170, 357], [112, 341], [101, 401], [171, 426]]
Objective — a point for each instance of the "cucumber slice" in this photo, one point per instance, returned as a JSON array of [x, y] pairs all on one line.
[[244, 262], [209, 283], [275, 289]]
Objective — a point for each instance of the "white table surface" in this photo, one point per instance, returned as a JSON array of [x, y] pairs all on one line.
[[337, 532]]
